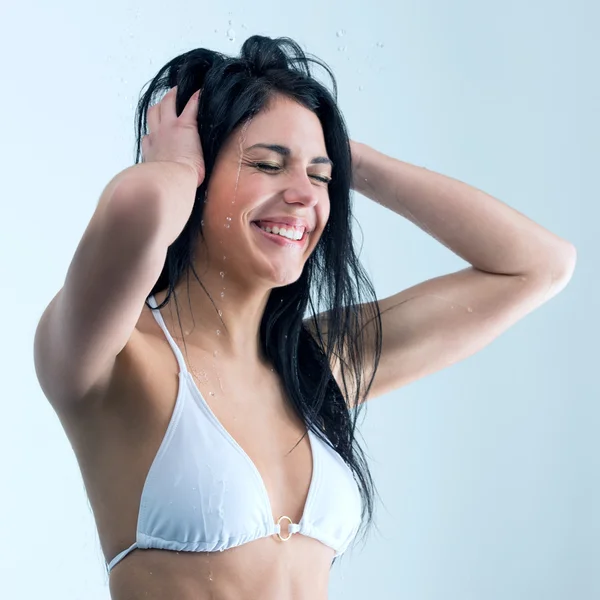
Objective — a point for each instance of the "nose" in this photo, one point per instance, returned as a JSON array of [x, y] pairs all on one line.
[[301, 190]]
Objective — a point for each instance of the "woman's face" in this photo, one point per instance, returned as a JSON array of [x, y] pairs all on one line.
[[250, 183]]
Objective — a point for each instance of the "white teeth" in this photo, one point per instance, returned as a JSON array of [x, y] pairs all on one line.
[[290, 234]]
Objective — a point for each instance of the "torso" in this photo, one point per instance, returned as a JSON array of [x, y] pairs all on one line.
[[116, 441]]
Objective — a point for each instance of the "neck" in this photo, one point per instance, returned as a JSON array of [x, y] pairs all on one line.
[[230, 326]]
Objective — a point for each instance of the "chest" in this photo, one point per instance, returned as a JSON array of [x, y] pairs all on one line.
[[244, 407]]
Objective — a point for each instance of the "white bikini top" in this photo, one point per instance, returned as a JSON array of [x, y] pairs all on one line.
[[203, 493]]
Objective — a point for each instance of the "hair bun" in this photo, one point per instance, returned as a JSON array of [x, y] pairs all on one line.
[[264, 53]]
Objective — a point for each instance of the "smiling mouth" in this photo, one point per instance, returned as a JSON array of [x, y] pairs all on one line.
[[281, 240]]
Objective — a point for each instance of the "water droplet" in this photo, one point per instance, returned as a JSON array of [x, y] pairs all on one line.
[[360, 88], [469, 309], [222, 294], [220, 313], [231, 35], [218, 332], [216, 31], [380, 44], [341, 32], [227, 225], [215, 352], [221, 273], [211, 393], [244, 26], [229, 218], [202, 222]]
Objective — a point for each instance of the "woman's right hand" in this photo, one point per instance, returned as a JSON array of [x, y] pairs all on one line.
[[172, 138]]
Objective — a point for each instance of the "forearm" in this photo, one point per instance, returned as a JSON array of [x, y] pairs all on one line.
[[167, 188], [482, 230]]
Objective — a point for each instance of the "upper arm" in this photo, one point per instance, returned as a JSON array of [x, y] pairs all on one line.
[[92, 317], [443, 320]]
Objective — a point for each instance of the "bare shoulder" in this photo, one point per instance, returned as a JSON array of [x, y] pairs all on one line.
[[118, 385], [123, 400]]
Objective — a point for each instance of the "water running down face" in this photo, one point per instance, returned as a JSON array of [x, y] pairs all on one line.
[[272, 173]]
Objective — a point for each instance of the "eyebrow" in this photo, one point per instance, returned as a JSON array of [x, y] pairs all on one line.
[[285, 151]]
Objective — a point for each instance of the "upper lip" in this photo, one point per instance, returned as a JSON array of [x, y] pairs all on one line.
[[293, 221]]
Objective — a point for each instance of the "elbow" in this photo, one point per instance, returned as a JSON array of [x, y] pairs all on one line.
[[560, 267], [567, 262]]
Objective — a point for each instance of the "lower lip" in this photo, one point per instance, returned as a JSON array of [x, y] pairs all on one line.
[[282, 241]]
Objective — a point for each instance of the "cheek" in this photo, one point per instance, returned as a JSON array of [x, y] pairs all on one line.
[[324, 212]]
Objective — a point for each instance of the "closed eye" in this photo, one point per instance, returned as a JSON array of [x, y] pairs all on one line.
[[269, 167]]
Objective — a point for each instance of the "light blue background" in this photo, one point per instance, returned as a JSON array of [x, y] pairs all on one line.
[[488, 470]]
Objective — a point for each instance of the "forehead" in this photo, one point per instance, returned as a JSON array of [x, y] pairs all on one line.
[[286, 122]]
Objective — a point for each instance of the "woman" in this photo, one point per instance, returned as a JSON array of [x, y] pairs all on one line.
[[208, 436]]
